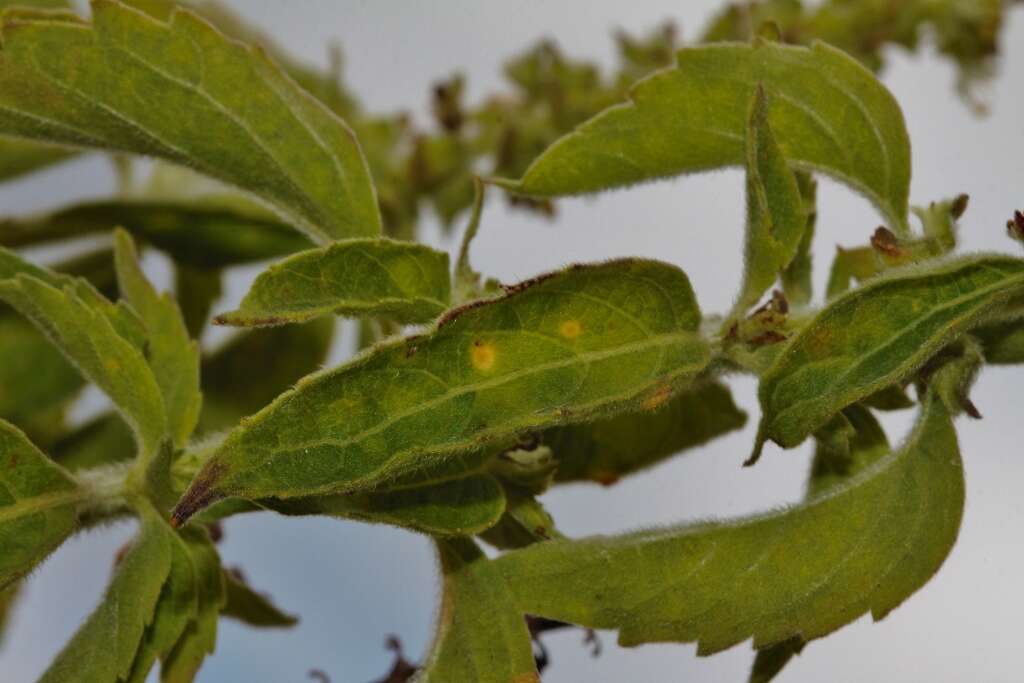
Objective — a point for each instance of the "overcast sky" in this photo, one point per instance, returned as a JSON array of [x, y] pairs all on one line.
[[352, 583]]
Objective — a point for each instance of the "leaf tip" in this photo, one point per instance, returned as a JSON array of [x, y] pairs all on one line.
[[959, 206], [755, 455]]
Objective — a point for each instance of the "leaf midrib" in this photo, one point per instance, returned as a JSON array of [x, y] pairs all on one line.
[[1007, 283], [28, 506], [658, 341]]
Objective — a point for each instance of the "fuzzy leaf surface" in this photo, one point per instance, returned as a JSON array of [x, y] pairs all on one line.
[[85, 276], [408, 283], [481, 636], [89, 340], [606, 450], [36, 382], [567, 347], [181, 91], [200, 636], [829, 114], [1003, 342], [250, 607], [104, 648], [172, 355], [877, 335], [866, 545], [775, 209], [175, 610], [868, 443], [38, 500], [797, 277]]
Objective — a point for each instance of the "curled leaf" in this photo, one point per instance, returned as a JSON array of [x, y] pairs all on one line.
[[829, 114], [866, 544], [876, 336]]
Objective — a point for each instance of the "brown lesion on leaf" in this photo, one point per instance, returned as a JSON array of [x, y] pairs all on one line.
[[262, 321], [657, 399], [200, 494], [605, 477], [508, 291], [401, 670], [765, 326], [889, 247], [767, 338], [1015, 226]]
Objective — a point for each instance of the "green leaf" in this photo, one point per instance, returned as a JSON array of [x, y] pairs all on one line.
[[866, 545], [887, 250], [461, 507], [796, 278], [90, 341], [176, 608], [770, 661], [89, 267], [21, 157], [104, 648], [866, 445], [525, 521], [409, 283], [172, 355], [39, 4], [124, 83], [326, 87], [775, 212], [876, 336], [36, 382], [200, 637], [38, 501], [829, 114], [1003, 342], [571, 346], [252, 608], [849, 265], [197, 233], [254, 367], [607, 450], [481, 636]]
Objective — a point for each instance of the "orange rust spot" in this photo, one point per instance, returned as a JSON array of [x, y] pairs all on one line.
[[570, 329], [657, 399], [483, 355], [526, 678], [605, 477]]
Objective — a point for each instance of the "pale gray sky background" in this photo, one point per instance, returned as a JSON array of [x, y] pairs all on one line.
[[353, 583]]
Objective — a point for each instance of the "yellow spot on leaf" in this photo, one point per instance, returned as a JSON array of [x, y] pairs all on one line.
[[570, 329], [605, 477], [482, 355], [657, 399]]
